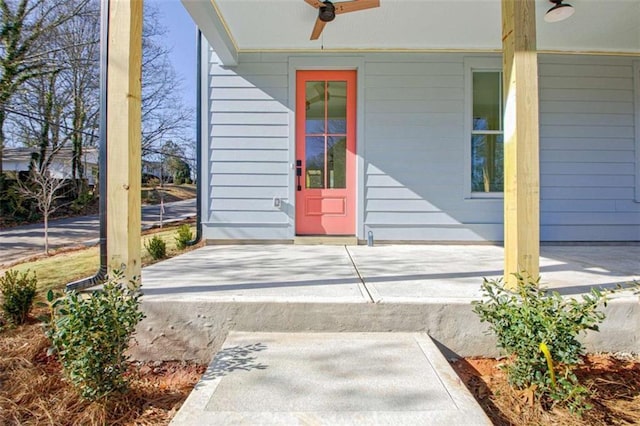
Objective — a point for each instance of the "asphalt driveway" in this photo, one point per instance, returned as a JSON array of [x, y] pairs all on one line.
[[22, 241]]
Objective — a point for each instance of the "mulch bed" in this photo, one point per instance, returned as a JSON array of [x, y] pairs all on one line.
[[33, 389], [614, 380]]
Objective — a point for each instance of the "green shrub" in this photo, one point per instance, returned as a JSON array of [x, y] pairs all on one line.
[[18, 291], [84, 199], [184, 235], [91, 334], [529, 321], [156, 247]]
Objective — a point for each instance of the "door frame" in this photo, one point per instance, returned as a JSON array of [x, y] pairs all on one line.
[[341, 224], [328, 63]]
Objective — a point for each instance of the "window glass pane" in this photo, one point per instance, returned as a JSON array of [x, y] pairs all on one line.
[[315, 102], [487, 159], [337, 107], [336, 162], [315, 162], [486, 100]]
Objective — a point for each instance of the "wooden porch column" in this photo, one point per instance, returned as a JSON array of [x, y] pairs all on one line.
[[521, 140], [124, 136]]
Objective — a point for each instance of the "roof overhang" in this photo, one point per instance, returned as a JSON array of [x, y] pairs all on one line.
[[237, 26]]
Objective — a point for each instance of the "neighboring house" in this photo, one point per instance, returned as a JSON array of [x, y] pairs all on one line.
[[392, 121], [18, 160], [151, 169]]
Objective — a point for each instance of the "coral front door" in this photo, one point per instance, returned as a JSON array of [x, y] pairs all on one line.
[[325, 152]]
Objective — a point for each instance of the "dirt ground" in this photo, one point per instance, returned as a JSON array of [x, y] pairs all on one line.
[[613, 379]]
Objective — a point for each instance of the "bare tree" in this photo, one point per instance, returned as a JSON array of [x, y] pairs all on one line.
[[164, 115], [23, 26], [59, 105], [60, 109], [45, 190]]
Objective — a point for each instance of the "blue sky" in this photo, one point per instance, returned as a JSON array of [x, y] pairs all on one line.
[[181, 39]]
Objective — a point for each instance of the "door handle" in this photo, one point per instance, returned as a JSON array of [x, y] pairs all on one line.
[[299, 173]]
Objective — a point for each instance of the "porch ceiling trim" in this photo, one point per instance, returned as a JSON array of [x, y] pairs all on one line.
[[234, 27], [210, 21]]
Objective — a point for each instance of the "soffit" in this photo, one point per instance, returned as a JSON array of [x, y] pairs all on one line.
[[267, 25]]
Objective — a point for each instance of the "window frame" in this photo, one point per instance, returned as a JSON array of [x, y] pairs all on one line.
[[472, 65]]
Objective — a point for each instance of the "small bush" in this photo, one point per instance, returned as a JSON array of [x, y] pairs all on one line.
[[156, 247], [91, 334], [530, 321], [84, 199], [18, 291], [184, 235]]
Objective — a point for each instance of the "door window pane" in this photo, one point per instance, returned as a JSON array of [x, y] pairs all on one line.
[[314, 162], [315, 106], [337, 107], [336, 162], [487, 159]]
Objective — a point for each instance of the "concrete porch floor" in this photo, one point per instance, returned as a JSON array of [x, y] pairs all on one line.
[[193, 300]]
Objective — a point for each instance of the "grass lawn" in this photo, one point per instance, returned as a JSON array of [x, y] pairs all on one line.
[[169, 192]]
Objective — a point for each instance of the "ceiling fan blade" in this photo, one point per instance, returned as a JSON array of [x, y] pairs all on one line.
[[315, 3], [315, 99], [352, 6], [317, 29]]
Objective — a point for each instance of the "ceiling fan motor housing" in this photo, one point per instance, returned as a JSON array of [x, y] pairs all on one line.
[[327, 12]]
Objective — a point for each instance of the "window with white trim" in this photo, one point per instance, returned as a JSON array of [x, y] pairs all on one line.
[[487, 132]]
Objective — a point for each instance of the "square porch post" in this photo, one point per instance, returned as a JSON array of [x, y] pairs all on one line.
[[124, 136], [521, 140]]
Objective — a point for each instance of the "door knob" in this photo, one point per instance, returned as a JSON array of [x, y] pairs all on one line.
[[299, 173]]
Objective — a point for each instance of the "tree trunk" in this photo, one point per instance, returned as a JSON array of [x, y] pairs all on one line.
[[2, 185], [46, 233]]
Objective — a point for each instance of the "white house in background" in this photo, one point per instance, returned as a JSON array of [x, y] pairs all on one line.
[[18, 160], [391, 122]]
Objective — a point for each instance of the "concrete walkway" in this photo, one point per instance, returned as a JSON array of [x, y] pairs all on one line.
[[192, 301], [398, 273], [343, 334], [330, 379]]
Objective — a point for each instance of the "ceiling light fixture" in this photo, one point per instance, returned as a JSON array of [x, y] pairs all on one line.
[[559, 12]]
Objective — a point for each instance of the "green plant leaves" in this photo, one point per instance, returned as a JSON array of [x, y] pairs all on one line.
[[92, 333], [525, 318], [156, 247], [183, 236], [18, 293]]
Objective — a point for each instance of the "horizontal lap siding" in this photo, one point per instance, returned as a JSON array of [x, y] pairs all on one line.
[[587, 149], [414, 148], [248, 157], [414, 151]]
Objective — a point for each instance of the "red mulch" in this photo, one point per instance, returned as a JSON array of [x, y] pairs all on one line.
[[613, 379]]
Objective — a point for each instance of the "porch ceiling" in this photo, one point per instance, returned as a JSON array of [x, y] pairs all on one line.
[[263, 25]]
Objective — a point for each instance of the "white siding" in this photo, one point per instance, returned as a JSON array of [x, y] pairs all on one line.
[[587, 149], [248, 159], [415, 149], [414, 145]]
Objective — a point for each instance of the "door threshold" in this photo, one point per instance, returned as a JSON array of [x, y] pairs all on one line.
[[327, 240]]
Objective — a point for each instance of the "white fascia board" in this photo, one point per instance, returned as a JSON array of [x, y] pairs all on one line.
[[206, 17]]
